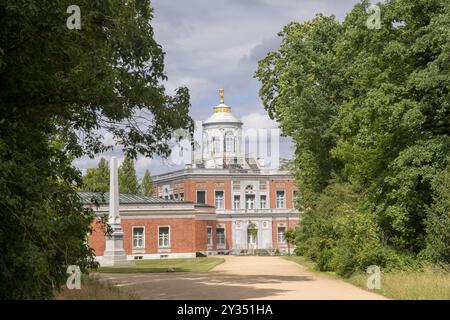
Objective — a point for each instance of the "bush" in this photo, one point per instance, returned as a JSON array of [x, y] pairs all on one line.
[[340, 235]]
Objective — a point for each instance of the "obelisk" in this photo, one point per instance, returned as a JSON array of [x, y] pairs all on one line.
[[114, 253]]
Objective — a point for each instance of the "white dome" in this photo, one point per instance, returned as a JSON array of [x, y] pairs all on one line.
[[222, 114]]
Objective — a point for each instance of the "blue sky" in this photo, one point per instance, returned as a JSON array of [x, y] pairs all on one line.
[[213, 44]]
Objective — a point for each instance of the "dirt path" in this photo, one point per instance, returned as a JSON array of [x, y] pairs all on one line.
[[242, 278]]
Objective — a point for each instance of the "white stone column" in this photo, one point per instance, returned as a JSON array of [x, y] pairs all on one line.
[[114, 253]]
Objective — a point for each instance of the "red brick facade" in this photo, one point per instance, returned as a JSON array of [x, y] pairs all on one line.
[[187, 235], [189, 228], [187, 189]]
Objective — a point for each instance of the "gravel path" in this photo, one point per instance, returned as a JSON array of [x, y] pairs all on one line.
[[241, 278]]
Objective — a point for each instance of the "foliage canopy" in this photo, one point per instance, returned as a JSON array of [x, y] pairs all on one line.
[[369, 111], [61, 92]]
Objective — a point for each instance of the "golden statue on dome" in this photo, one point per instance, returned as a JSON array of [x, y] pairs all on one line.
[[222, 95]]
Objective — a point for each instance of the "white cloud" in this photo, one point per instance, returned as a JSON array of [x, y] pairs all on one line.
[[217, 44]]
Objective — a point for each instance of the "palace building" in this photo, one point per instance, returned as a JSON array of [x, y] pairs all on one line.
[[254, 202], [225, 201]]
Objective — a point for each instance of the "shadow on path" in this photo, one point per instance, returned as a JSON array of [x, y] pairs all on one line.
[[197, 286]]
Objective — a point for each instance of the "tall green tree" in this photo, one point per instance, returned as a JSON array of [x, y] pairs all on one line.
[[370, 114], [147, 184], [61, 91], [97, 179], [128, 182], [301, 90]]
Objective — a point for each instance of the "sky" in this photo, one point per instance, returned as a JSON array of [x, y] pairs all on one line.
[[215, 44]]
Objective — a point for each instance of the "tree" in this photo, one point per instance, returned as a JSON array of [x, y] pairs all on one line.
[[147, 184], [97, 179], [290, 235], [369, 112], [301, 89], [438, 220], [61, 91], [128, 182], [287, 165]]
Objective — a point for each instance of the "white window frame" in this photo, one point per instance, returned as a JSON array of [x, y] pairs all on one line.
[[283, 239], [234, 201], [159, 237], [250, 196], [229, 142], [219, 244], [143, 236], [278, 202], [223, 199], [265, 201], [206, 196]]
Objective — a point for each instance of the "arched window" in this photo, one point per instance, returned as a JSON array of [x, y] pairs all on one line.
[[229, 142]]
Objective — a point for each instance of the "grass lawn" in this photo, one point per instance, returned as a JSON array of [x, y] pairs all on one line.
[[94, 289], [432, 283], [161, 265]]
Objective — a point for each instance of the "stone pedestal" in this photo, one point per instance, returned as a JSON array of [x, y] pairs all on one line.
[[114, 253]]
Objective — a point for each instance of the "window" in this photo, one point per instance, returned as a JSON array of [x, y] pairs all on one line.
[[138, 237], [164, 237], [209, 236], [220, 235], [229, 142], [201, 197], [280, 199], [250, 201], [263, 201], [294, 197], [219, 200], [181, 196], [281, 231], [216, 144], [237, 202]]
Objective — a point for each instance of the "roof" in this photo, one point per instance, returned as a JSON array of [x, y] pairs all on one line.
[[124, 198], [222, 117]]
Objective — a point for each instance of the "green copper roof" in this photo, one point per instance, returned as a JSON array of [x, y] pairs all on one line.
[[124, 198]]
